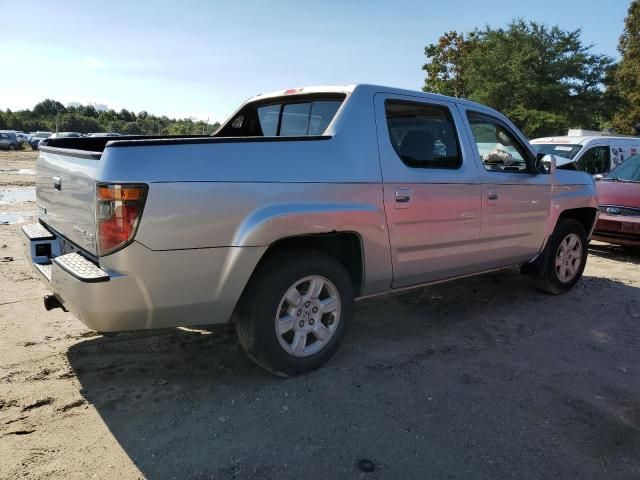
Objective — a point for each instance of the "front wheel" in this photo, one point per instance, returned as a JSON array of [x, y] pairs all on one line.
[[562, 263], [295, 311]]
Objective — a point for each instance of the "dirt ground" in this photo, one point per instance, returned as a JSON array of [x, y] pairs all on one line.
[[484, 378]]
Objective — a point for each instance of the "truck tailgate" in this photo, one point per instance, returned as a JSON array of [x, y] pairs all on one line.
[[65, 194]]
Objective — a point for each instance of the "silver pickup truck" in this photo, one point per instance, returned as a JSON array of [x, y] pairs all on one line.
[[303, 201]]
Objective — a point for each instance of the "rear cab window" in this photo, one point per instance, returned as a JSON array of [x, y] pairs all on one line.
[[308, 115]]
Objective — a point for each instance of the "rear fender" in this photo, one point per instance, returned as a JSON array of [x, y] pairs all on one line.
[[270, 224]]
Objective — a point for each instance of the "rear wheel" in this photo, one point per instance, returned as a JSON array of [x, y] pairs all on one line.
[[562, 263], [12, 146], [295, 311]]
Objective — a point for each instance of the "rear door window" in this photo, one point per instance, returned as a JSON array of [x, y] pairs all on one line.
[[423, 136]]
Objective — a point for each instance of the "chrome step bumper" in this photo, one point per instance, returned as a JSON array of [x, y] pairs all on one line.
[[35, 231], [44, 250], [81, 268]]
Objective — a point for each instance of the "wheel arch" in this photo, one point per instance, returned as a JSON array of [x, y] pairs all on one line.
[[345, 246], [587, 216]]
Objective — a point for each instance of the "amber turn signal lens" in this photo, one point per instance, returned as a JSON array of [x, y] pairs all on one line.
[[120, 192], [118, 211]]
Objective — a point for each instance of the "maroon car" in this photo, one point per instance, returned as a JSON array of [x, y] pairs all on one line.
[[619, 193]]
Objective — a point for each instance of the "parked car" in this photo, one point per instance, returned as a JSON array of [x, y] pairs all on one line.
[[67, 135], [304, 200], [592, 152], [63, 135], [22, 137], [619, 195], [36, 137], [8, 140], [105, 134]]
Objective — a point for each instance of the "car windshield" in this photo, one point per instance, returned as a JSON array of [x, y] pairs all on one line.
[[628, 171], [559, 150]]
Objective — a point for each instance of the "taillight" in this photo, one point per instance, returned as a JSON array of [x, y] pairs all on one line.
[[118, 212]]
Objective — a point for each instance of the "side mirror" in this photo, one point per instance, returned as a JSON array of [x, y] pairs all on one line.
[[598, 176], [547, 164]]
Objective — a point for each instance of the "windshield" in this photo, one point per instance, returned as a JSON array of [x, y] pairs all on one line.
[[628, 171], [559, 150]]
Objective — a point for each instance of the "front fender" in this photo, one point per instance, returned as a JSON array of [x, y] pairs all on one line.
[[570, 197]]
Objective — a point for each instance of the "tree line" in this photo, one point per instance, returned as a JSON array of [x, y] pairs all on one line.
[[49, 114], [545, 79]]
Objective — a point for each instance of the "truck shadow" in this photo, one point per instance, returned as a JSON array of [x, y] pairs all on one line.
[[442, 362]]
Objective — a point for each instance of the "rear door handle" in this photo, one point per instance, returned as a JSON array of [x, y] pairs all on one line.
[[492, 195], [403, 197], [57, 183]]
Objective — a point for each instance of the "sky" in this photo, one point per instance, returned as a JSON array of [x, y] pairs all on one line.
[[202, 59]]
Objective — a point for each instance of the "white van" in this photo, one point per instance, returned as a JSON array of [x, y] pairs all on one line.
[[593, 152]]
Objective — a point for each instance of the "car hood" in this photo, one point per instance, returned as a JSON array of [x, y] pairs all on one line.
[[619, 193]]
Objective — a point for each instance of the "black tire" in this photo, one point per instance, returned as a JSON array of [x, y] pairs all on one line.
[[12, 146], [544, 270], [261, 301]]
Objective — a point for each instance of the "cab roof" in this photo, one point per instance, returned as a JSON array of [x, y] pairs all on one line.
[[363, 87]]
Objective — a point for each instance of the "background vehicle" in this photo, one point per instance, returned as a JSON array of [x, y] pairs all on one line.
[[67, 135], [302, 201], [22, 137], [36, 137], [592, 152], [619, 195], [8, 140], [63, 135], [107, 134]]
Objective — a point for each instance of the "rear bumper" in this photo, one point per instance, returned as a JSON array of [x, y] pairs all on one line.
[[137, 288], [619, 230]]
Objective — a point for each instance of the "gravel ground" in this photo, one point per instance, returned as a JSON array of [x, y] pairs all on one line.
[[481, 378]]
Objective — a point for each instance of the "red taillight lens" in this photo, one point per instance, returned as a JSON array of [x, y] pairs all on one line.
[[118, 212]]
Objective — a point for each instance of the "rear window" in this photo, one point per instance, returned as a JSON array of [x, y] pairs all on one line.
[[288, 117]]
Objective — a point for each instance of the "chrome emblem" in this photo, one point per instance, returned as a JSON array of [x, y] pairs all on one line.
[[89, 239], [613, 210]]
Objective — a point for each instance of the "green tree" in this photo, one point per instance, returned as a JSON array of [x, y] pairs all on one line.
[[49, 107], [446, 66], [86, 118], [627, 74], [544, 78], [88, 111], [72, 122], [126, 116]]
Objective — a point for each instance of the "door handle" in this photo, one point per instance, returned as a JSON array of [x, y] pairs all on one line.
[[492, 196], [57, 183], [403, 195]]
